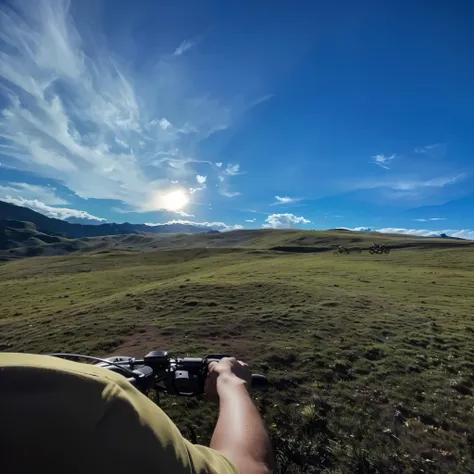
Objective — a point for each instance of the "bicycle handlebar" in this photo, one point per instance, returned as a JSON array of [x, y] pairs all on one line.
[[158, 371]]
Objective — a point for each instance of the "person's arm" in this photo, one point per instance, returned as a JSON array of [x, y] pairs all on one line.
[[240, 433]]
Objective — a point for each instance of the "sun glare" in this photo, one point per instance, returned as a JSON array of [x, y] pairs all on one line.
[[175, 200]]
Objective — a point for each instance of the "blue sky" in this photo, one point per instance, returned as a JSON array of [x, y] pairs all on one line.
[[235, 114]]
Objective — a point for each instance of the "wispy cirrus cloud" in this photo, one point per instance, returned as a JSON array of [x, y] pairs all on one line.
[[410, 185], [382, 160], [178, 212], [285, 200], [183, 47], [233, 170], [182, 213], [284, 221], [225, 175], [436, 151], [25, 191], [428, 148], [4, 165], [75, 114], [264, 98], [250, 220], [441, 182], [195, 190], [430, 219]]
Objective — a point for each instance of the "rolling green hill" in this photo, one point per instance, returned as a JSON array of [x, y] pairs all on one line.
[[370, 357], [18, 240]]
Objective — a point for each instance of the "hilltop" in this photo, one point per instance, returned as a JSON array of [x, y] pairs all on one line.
[[24, 239], [26, 233]]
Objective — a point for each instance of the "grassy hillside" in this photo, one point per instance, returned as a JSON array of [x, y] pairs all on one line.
[[371, 358], [41, 244]]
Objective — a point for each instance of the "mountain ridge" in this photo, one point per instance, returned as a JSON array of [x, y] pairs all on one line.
[[50, 225]]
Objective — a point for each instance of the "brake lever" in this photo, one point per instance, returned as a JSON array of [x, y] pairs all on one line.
[[215, 357], [258, 382], [201, 381]]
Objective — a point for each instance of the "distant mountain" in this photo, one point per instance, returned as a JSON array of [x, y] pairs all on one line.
[[84, 221], [59, 227]]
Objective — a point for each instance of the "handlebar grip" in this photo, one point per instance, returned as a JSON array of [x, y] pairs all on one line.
[[259, 382]]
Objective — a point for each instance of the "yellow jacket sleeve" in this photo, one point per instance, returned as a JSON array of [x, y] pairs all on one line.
[[62, 416]]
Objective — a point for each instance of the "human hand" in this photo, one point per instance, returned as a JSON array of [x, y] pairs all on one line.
[[228, 372]]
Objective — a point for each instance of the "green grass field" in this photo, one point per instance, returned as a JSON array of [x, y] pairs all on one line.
[[371, 358]]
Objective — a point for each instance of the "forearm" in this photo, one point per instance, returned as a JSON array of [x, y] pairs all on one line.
[[240, 433]]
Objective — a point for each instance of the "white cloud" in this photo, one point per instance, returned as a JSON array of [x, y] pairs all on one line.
[[4, 165], [214, 225], [183, 47], [463, 233], [404, 187], [382, 160], [284, 221], [285, 200], [428, 219], [264, 98], [182, 213], [164, 124], [428, 148], [233, 170], [121, 143], [26, 191], [410, 185], [357, 229], [230, 194], [250, 220], [73, 113], [194, 190], [55, 212], [201, 179], [219, 165]]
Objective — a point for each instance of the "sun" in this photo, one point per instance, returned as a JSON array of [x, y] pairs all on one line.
[[175, 200]]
